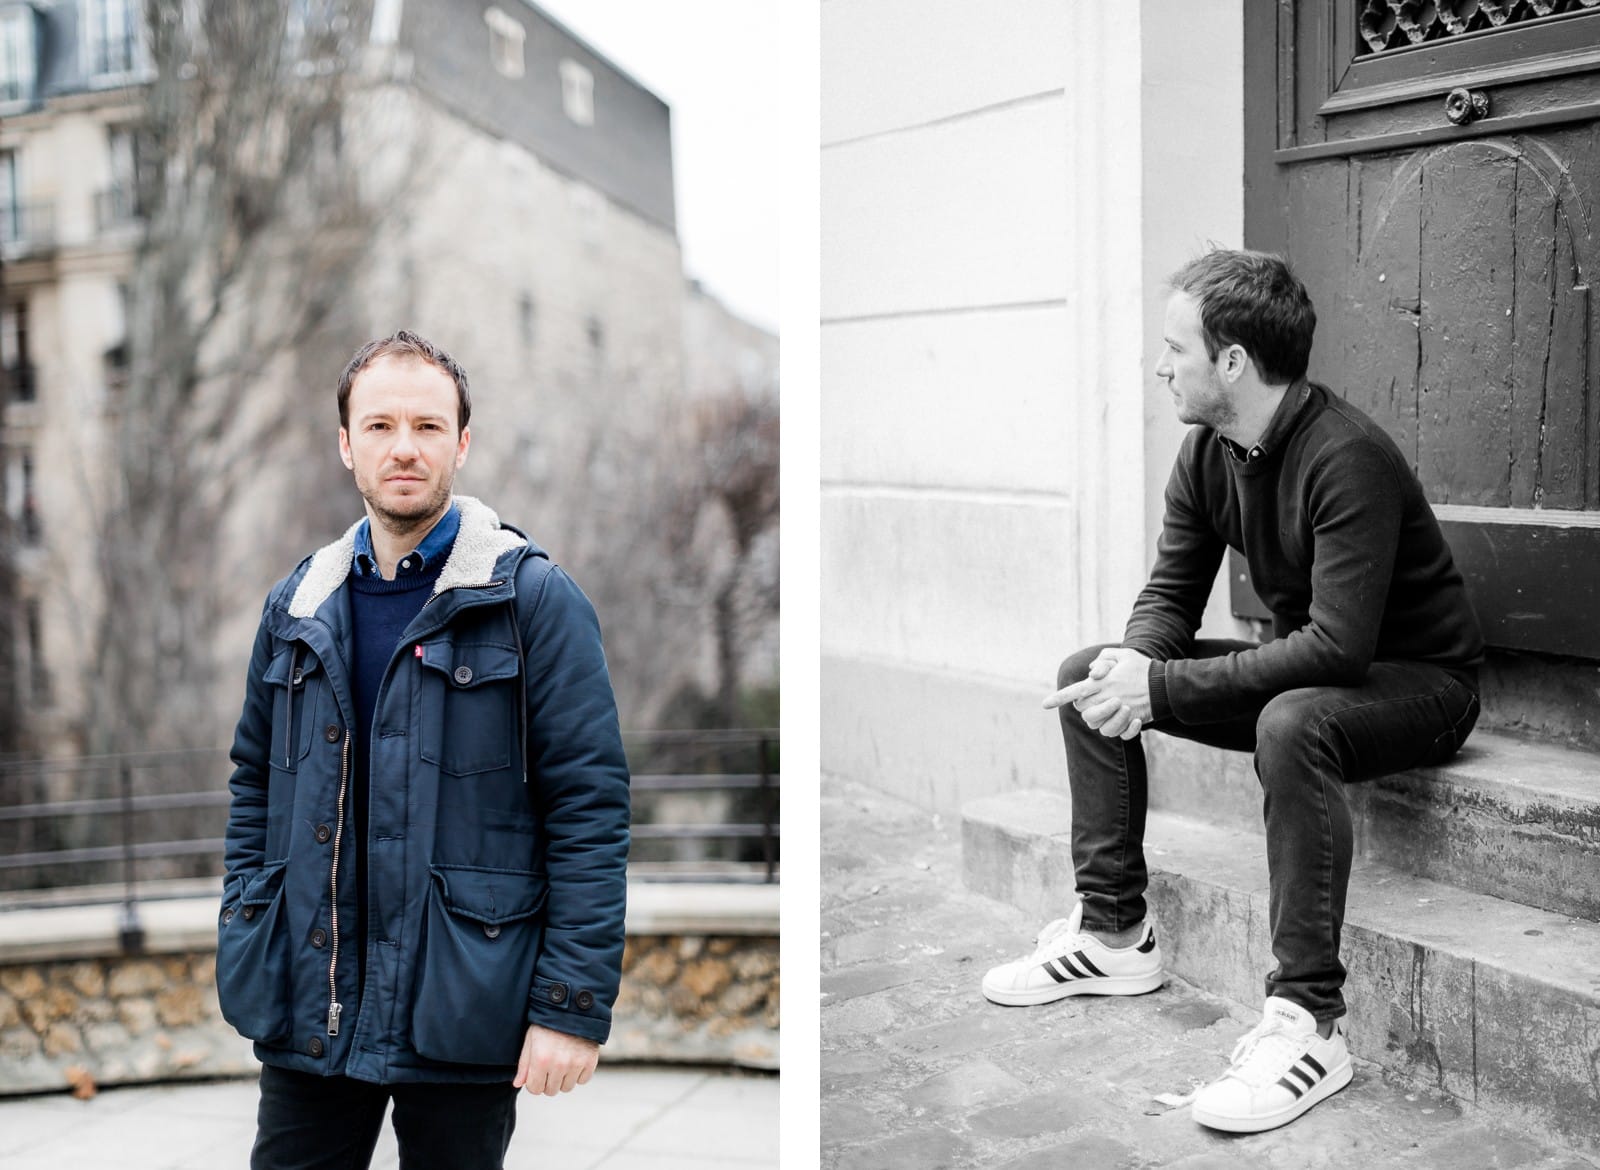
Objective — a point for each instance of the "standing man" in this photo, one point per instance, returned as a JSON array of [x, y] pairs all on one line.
[[427, 844], [1372, 669]]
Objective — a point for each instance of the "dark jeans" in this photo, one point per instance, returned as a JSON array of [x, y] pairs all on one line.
[[1308, 744], [309, 1122]]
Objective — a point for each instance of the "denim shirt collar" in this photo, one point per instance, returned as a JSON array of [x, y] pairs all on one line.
[[433, 549]]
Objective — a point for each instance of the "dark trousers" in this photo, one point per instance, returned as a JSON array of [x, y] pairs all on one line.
[[309, 1122], [1308, 744]]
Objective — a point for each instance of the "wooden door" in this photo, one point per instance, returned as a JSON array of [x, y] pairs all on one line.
[[1431, 171]]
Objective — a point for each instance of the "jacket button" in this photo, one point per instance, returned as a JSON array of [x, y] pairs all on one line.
[[558, 993], [319, 937], [463, 675], [331, 733], [249, 912], [315, 1046], [584, 1001], [323, 833], [299, 675], [227, 915], [491, 929]]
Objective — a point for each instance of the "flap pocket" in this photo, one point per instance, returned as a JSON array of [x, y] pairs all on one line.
[[490, 896], [263, 887], [471, 663]]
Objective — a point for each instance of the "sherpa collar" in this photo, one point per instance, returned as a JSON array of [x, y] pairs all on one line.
[[479, 544]]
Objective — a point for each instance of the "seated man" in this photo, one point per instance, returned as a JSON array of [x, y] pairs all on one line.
[[1372, 669]]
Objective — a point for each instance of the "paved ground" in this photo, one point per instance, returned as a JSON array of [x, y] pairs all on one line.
[[627, 1118], [919, 1071]]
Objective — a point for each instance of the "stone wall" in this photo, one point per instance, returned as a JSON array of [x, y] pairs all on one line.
[[113, 1020], [700, 984], [699, 998]]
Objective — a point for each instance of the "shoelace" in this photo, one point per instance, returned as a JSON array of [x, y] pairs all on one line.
[[1047, 938], [1264, 1053]]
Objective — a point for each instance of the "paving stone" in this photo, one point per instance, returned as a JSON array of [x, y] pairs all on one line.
[[960, 1090], [865, 980], [958, 1037], [926, 1149], [1046, 1113], [1101, 1153], [844, 1122]]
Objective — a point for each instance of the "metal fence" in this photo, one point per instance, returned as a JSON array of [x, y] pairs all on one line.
[[141, 825]]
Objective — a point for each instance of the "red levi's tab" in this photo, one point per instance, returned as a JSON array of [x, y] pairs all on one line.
[[419, 650]]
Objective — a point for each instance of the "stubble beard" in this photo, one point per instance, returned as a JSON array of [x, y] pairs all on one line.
[[1214, 408], [420, 512]]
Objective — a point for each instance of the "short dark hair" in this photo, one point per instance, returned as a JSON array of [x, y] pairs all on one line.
[[405, 344], [1253, 300]]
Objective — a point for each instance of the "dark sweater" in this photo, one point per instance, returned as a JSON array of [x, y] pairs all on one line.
[[1343, 548], [379, 613]]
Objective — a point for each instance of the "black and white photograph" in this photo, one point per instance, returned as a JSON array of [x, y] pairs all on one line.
[[1210, 476]]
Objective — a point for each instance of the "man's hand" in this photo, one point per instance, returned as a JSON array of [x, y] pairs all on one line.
[[554, 1062], [1115, 698]]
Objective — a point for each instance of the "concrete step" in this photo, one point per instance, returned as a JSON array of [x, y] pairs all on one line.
[[1494, 1002], [1506, 817]]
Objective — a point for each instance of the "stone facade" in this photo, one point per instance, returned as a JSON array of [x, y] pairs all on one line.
[[102, 1020], [996, 307]]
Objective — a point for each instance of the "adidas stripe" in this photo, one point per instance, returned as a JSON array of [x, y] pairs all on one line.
[[1309, 1081]]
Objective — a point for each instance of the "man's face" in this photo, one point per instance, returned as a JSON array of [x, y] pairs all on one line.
[[1199, 391], [402, 442]]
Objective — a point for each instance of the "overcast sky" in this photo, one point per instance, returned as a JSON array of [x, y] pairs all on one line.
[[715, 62]]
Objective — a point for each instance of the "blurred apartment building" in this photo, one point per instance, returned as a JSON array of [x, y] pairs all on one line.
[[536, 240]]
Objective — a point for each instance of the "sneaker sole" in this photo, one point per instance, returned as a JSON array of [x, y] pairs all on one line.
[[1329, 1085], [1109, 985]]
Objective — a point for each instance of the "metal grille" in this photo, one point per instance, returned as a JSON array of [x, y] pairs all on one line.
[[1386, 25]]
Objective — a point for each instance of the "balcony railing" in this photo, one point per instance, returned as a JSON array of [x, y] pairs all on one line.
[[116, 207], [27, 227]]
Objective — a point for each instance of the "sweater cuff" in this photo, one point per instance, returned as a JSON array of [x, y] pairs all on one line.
[[1160, 705]]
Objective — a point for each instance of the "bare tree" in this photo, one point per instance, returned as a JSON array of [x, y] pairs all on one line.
[[738, 446], [253, 226]]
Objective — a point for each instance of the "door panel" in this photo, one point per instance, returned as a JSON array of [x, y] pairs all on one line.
[[1450, 266]]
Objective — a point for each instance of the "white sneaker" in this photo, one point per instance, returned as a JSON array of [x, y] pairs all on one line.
[[1280, 1069], [1069, 962]]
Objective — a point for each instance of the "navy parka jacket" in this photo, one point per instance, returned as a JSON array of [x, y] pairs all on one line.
[[498, 824]]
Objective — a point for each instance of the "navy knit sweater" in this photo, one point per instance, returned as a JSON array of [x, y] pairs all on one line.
[[1343, 548], [379, 613]]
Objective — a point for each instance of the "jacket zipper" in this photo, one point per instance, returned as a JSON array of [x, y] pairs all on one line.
[[334, 1006]]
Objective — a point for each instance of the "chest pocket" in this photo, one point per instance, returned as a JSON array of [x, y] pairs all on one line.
[[295, 678], [469, 699]]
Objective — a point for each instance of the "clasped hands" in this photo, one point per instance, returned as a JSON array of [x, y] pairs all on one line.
[[1115, 698]]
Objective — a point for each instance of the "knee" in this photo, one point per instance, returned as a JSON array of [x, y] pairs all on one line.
[[1076, 667], [1288, 725]]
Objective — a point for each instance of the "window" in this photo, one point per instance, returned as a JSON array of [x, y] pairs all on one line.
[[119, 203], [14, 351], [37, 674], [577, 93], [24, 509], [16, 55], [10, 208], [111, 36], [505, 42], [314, 20], [525, 317]]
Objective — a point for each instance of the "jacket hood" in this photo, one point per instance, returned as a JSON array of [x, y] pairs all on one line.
[[480, 543]]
